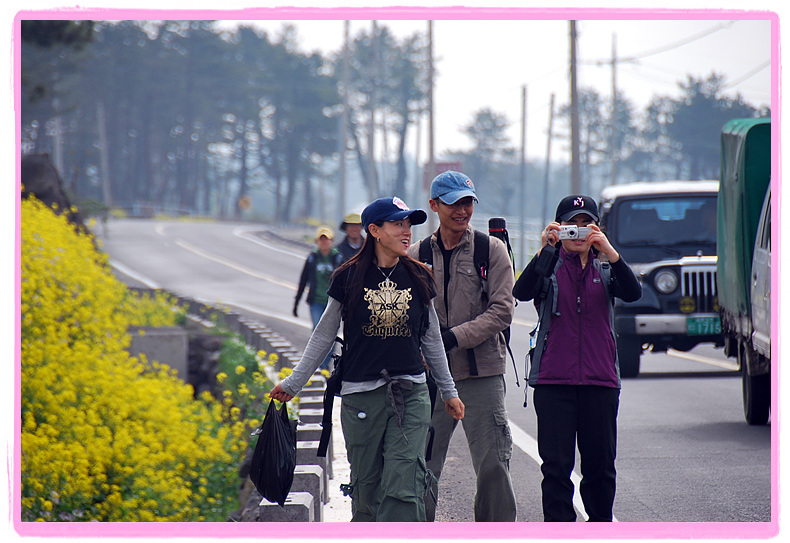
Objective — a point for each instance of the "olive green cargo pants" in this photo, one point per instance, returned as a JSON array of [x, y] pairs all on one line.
[[386, 453]]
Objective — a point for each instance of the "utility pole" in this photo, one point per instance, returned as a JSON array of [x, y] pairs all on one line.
[[522, 194], [431, 157], [373, 186], [545, 216], [104, 150], [613, 117], [576, 180], [343, 144], [419, 190]]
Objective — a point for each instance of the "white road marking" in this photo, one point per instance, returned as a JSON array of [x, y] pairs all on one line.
[[703, 359], [244, 233], [234, 265], [150, 283]]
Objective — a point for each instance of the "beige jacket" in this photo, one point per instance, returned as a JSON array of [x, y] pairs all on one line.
[[476, 326]]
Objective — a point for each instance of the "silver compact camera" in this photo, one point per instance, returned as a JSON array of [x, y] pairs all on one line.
[[571, 231]]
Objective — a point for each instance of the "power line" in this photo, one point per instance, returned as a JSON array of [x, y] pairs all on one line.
[[747, 75], [680, 43], [665, 48]]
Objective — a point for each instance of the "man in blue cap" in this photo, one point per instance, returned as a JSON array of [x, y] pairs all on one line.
[[472, 316]]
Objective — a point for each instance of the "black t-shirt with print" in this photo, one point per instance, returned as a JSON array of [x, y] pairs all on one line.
[[383, 331]]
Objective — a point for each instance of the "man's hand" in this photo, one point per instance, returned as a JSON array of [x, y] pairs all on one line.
[[449, 340], [455, 408]]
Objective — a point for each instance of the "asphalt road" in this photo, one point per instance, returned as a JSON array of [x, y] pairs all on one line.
[[685, 454]]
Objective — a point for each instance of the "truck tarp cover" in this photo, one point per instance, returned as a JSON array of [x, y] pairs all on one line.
[[744, 179]]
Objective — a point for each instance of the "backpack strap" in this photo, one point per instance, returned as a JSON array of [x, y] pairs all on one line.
[[335, 381], [337, 257], [605, 269], [333, 385], [480, 258], [481, 249], [546, 306], [425, 252], [481, 255]]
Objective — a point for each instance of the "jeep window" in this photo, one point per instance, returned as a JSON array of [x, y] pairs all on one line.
[[667, 221]]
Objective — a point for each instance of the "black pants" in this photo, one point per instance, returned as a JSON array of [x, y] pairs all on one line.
[[586, 415]]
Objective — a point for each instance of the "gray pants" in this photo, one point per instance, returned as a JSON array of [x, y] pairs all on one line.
[[490, 446]]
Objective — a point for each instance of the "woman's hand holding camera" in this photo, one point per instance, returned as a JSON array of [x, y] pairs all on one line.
[[596, 238], [550, 234]]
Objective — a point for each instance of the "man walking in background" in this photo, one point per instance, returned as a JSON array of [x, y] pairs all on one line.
[[473, 312], [352, 226], [317, 270]]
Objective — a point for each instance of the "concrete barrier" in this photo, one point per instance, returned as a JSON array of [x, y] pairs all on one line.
[[164, 344], [310, 479], [298, 507]]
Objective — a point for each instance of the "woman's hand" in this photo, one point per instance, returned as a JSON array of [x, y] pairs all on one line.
[[455, 408], [278, 393], [598, 239], [550, 234]]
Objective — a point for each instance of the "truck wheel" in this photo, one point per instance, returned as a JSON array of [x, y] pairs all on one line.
[[756, 391], [629, 350]]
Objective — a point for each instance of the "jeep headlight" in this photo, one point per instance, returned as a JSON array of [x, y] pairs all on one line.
[[666, 281]]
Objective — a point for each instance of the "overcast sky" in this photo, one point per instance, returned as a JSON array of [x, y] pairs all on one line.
[[486, 64], [485, 56]]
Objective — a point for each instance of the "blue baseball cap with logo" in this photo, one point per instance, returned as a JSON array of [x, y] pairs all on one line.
[[450, 186], [391, 209]]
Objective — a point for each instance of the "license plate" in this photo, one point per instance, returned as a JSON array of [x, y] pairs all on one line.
[[703, 326]]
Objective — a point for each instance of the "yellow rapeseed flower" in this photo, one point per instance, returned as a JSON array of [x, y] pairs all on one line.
[[105, 436]]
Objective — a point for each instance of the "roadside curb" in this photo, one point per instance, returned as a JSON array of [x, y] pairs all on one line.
[[310, 492]]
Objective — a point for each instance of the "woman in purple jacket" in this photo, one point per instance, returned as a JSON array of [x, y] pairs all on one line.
[[574, 368]]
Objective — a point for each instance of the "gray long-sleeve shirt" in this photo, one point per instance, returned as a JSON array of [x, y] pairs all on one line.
[[322, 340]]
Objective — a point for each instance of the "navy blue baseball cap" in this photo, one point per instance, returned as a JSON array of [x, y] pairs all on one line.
[[391, 209], [450, 186], [570, 206]]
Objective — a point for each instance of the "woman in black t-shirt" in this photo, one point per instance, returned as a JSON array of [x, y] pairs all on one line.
[[385, 300]]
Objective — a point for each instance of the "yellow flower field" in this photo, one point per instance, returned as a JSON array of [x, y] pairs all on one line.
[[106, 436]]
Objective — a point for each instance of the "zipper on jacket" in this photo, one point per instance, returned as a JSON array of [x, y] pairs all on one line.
[[579, 283]]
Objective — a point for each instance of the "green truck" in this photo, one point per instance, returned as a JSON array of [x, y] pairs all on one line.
[[744, 263]]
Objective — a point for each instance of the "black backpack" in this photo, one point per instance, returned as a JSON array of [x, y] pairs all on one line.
[[480, 258]]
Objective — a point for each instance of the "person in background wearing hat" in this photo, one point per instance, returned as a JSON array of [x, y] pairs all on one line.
[[318, 268], [472, 335], [352, 226], [573, 367], [385, 301]]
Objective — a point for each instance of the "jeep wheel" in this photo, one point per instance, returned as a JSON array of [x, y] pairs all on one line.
[[629, 351], [756, 391]]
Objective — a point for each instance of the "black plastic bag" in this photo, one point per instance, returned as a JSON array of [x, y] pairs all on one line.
[[274, 459]]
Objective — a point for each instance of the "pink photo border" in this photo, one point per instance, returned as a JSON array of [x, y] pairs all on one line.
[[439, 531]]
